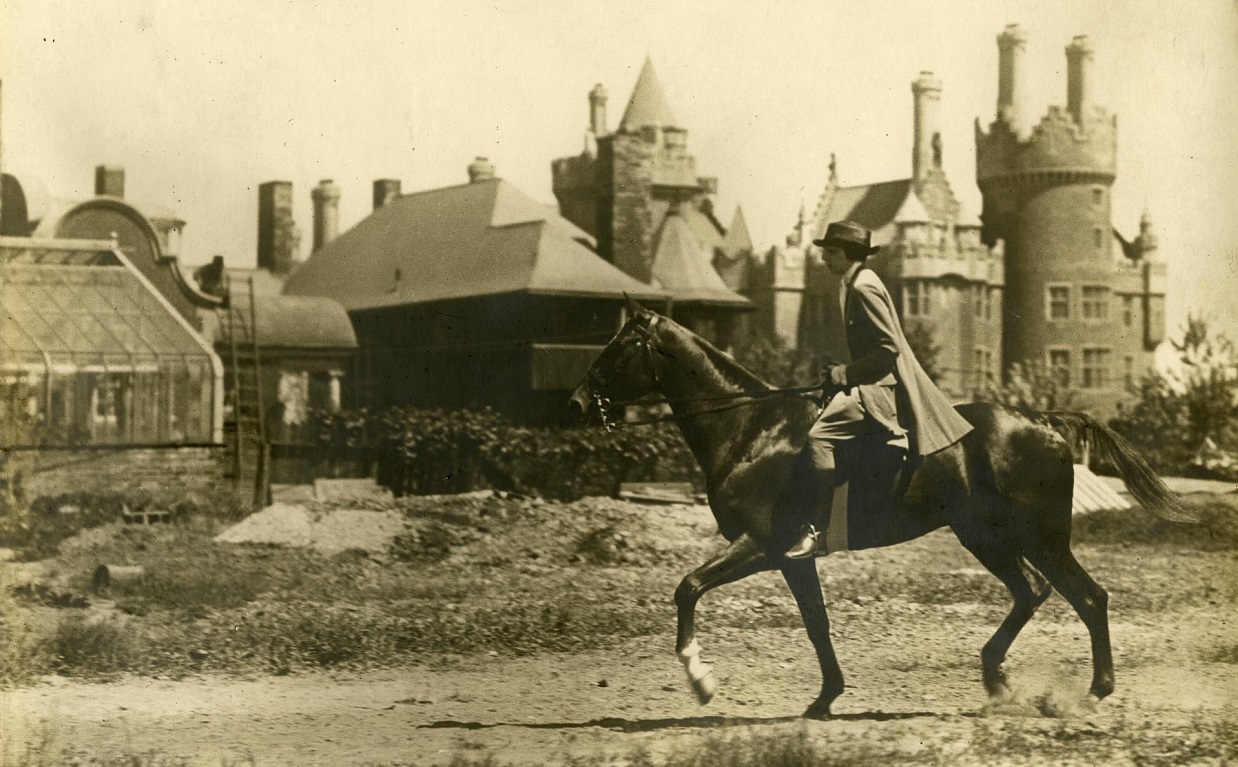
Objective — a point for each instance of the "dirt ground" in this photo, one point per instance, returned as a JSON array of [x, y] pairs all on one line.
[[914, 693]]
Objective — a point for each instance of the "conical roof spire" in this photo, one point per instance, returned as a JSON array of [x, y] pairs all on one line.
[[648, 103], [737, 238]]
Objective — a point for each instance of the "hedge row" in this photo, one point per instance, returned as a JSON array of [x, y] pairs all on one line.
[[428, 451]]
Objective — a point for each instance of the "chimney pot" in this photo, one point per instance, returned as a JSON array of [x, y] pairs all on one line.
[[110, 180], [385, 190], [481, 169], [926, 149], [278, 239], [326, 197]]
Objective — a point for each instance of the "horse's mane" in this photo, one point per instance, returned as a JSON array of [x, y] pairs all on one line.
[[733, 374]]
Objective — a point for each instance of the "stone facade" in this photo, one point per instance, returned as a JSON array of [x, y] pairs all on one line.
[[948, 284], [628, 184]]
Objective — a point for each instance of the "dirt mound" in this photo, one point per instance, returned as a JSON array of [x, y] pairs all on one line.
[[328, 531]]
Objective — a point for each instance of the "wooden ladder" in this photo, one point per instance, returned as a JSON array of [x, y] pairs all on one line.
[[251, 448]]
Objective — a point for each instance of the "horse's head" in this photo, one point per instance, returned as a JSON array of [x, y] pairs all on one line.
[[626, 369]]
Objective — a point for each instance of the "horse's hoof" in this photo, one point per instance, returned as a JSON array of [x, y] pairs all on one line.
[[1102, 688], [705, 687], [820, 709]]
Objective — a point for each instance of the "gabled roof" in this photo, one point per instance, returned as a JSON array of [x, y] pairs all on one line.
[[648, 103], [683, 269], [876, 206], [912, 211], [478, 239]]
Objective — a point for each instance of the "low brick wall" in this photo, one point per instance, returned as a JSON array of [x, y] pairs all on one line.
[[166, 475]]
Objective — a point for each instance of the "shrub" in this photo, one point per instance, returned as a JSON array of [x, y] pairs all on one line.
[[1177, 415], [771, 360], [1029, 385], [423, 451]]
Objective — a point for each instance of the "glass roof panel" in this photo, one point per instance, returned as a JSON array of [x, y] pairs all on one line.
[[76, 306]]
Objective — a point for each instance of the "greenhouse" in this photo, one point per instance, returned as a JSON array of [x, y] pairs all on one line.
[[92, 354]]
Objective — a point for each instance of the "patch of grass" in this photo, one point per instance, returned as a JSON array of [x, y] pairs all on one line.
[[23, 657], [81, 646], [213, 587]]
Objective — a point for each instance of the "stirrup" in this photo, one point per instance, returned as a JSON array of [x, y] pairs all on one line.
[[805, 545]]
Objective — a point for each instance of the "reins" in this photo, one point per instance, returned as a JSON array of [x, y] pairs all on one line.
[[751, 398]]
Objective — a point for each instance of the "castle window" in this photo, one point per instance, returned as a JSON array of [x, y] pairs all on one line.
[[916, 298], [1059, 366], [982, 367], [1098, 195], [1096, 368], [1095, 303], [1099, 234], [1057, 302], [1128, 311], [1128, 372]]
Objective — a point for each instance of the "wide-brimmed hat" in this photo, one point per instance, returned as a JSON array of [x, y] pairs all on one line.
[[849, 236]]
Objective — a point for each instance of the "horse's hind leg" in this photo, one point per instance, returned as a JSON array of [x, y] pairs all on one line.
[[1003, 560], [801, 576], [1090, 601], [739, 560]]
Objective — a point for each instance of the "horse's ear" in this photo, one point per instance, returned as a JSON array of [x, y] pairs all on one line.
[[634, 309]]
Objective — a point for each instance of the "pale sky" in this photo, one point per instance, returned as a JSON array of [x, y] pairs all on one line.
[[203, 101]]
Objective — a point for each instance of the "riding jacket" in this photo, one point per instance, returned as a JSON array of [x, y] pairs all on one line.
[[881, 356]]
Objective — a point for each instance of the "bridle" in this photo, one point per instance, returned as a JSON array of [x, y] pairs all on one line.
[[647, 342]]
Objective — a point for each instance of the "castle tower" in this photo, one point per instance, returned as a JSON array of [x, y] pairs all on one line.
[[1069, 283]]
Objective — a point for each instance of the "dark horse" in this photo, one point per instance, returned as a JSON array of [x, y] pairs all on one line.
[[1005, 490]]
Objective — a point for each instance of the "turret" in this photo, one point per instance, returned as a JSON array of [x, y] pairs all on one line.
[[1078, 78], [597, 110], [926, 151], [1010, 45], [1147, 241]]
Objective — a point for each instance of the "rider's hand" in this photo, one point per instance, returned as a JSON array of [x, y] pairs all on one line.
[[835, 376]]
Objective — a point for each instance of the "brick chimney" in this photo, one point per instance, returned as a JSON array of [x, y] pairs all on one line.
[[326, 198], [278, 238], [1078, 77], [926, 151], [1010, 45], [480, 169], [110, 180], [385, 190]]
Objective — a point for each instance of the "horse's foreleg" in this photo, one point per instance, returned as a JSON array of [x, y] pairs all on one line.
[[739, 560], [801, 576]]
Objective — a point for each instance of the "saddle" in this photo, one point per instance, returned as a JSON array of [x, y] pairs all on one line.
[[876, 472], [873, 477]]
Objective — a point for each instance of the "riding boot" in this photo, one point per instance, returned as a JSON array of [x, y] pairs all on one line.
[[822, 498]]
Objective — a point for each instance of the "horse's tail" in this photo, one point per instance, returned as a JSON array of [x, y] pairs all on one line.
[[1148, 488]]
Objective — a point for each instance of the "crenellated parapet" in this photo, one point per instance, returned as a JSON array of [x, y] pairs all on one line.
[[1058, 149]]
